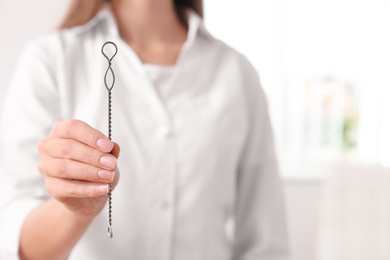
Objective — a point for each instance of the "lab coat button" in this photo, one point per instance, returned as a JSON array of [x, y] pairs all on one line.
[[162, 132]]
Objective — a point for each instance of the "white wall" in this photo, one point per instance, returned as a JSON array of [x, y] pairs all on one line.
[[20, 21]]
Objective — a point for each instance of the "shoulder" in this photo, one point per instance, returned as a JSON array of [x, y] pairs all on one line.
[[224, 53], [60, 50], [60, 40], [213, 49], [37, 56], [242, 61], [236, 69], [229, 62]]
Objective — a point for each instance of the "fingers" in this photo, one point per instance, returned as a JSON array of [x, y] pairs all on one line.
[[116, 150], [73, 150], [69, 169], [78, 161], [63, 188], [82, 132], [116, 178], [66, 188]]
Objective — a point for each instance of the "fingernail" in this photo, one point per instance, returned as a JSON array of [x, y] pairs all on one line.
[[106, 175], [102, 188], [104, 144], [108, 161]]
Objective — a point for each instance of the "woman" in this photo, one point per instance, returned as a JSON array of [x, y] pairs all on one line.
[[192, 121]]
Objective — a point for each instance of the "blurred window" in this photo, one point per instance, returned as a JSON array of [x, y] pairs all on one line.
[[325, 66]]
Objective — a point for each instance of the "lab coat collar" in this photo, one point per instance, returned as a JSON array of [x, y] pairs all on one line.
[[195, 28]]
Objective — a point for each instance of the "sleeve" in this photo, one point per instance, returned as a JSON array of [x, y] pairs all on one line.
[[30, 108], [260, 225]]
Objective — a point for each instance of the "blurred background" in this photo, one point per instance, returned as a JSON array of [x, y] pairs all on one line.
[[325, 66]]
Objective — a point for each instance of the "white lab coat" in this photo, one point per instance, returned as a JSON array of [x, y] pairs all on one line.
[[191, 162]]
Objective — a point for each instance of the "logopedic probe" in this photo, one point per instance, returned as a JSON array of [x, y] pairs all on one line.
[[109, 89]]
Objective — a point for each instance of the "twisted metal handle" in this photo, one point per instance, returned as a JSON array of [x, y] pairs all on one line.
[[109, 88]]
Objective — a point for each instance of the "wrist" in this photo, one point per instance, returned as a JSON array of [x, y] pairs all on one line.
[[73, 215]]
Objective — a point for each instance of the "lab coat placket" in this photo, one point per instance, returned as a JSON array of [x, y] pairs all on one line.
[[159, 186]]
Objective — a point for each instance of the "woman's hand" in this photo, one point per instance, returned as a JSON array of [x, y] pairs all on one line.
[[78, 162]]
